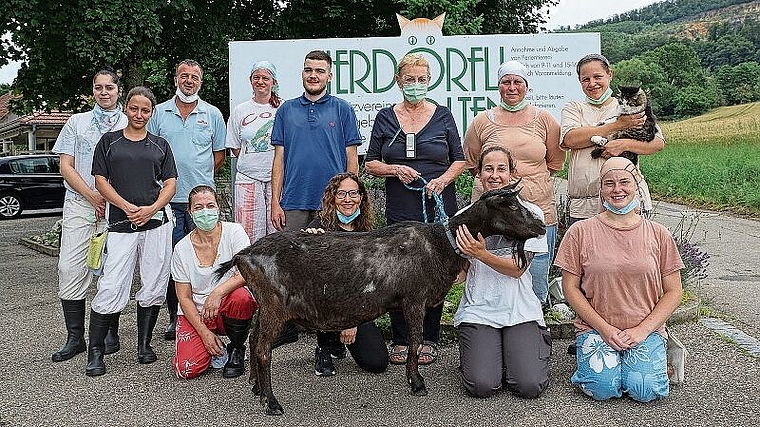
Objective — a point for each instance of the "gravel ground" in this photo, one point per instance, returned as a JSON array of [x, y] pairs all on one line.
[[721, 387]]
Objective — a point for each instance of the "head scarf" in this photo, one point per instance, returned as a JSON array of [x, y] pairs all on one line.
[[621, 163], [512, 67], [266, 65]]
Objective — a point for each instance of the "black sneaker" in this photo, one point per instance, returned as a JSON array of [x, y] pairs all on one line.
[[339, 352], [323, 364]]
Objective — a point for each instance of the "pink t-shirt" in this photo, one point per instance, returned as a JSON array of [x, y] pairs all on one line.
[[621, 269]]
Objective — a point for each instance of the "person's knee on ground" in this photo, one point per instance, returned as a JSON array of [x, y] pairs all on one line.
[[645, 377], [527, 388], [481, 387]]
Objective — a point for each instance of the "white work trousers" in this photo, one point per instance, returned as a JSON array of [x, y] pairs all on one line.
[[154, 250], [78, 226]]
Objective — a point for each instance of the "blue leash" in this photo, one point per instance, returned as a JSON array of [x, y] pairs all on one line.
[[440, 214]]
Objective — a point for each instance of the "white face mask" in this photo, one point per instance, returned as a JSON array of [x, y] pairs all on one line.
[[186, 99]]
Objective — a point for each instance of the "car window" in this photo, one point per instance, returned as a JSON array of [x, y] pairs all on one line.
[[31, 165]]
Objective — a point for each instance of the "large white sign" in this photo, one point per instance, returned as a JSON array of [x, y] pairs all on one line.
[[463, 69]]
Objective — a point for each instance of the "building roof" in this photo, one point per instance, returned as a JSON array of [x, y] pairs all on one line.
[[5, 99], [54, 117]]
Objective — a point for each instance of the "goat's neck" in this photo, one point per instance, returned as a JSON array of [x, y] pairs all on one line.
[[473, 218]]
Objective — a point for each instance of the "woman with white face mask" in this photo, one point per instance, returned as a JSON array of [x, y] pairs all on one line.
[[631, 284], [414, 140], [84, 208], [210, 306], [532, 137]]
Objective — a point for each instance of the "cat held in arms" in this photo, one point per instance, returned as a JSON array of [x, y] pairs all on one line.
[[632, 100]]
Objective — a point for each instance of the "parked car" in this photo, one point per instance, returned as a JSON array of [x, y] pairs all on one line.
[[28, 182]]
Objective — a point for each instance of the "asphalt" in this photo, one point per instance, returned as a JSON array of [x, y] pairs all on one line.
[[721, 387]]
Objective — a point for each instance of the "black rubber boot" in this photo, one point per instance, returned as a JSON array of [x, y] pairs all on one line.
[[171, 304], [112, 339], [73, 315], [288, 335], [146, 321], [99, 324], [237, 332]]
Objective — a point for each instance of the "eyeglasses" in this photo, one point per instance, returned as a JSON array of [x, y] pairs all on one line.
[[410, 80], [342, 194]]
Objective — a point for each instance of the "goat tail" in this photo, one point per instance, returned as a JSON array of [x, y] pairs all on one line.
[[225, 267]]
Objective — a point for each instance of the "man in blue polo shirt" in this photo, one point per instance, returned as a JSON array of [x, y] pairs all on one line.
[[315, 137], [196, 133]]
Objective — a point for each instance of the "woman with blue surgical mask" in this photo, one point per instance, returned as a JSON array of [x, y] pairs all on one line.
[[346, 207], [210, 306], [597, 115], [631, 284], [415, 146]]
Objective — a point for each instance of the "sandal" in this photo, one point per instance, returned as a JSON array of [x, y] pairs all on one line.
[[398, 354], [429, 355]]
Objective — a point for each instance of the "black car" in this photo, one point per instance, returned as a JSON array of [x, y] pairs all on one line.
[[31, 181]]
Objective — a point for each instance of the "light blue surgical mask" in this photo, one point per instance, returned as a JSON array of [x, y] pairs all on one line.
[[347, 219], [602, 99], [514, 108], [206, 219], [624, 210], [415, 92]]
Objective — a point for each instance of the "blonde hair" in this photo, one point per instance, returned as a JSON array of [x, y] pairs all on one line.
[[412, 60]]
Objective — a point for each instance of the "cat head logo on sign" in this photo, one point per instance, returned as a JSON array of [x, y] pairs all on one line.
[[421, 29], [462, 68]]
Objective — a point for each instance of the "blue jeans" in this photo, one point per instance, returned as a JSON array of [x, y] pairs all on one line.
[[539, 267], [184, 222], [604, 372]]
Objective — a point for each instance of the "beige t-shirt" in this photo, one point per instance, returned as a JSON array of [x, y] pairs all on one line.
[[534, 155], [583, 171], [621, 268]]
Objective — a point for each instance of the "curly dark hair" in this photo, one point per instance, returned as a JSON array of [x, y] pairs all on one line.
[[366, 219]]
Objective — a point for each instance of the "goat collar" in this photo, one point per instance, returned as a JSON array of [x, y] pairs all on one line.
[[452, 240]]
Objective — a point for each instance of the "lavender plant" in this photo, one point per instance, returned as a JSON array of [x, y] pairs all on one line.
[[695, 258]]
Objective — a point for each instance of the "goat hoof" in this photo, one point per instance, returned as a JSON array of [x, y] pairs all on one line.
[[255, 390], [274, 409], [419, 391]]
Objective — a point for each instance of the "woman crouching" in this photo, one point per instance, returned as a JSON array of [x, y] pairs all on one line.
[[210, 306]]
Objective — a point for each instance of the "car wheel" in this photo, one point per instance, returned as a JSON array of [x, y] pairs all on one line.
[[10, 206]]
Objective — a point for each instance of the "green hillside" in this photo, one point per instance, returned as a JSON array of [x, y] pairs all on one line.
[[712, 160]]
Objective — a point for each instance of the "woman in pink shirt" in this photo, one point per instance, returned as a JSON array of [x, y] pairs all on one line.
[[631, 284], [532, 137]]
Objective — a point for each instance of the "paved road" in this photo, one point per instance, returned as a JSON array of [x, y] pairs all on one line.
[[721, 388]]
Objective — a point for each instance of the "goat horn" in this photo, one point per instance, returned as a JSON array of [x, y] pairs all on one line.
[[512, 188]]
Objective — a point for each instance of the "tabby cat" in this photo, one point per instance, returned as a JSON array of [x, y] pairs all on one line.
[[632, 100]]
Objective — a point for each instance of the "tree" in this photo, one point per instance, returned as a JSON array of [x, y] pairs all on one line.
[[680, 63], [64, 42], [738, 83], [694, 100]]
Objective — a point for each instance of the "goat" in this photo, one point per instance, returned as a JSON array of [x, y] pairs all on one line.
[[335, 281]]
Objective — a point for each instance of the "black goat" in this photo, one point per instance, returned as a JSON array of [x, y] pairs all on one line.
[[335, 281]]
